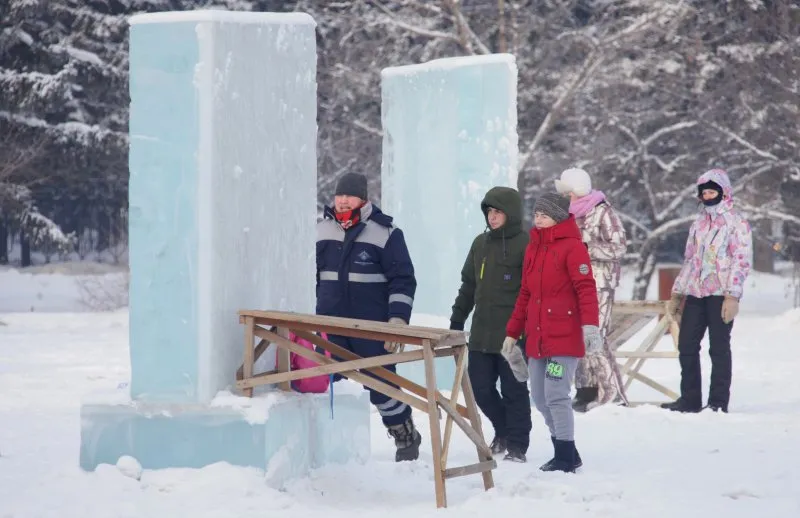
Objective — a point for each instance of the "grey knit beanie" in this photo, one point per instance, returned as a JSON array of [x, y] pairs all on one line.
[[554, 205], [352, 184]]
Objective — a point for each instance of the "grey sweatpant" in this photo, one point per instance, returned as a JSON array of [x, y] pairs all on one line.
[[551, 380]]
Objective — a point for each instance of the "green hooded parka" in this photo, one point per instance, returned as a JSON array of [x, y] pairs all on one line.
[[491, 276]]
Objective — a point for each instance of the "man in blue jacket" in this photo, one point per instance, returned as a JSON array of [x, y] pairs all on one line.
[[364, 271]]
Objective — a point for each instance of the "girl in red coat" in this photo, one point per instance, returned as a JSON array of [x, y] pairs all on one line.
[[557, 310]]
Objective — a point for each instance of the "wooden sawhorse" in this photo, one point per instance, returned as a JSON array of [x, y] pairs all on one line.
[[274, 327], [630, 317]]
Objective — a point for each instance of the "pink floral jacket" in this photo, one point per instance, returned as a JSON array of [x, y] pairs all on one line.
[[719, 250]]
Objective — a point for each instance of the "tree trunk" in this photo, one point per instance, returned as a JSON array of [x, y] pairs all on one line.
[[26, 249], [502, 45], [763, 253], [796, 282], [3, 242], [645, 266]]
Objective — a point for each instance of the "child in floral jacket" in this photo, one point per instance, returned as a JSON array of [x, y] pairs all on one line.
[[719, 254]]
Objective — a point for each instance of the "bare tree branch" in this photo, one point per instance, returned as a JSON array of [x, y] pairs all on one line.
[[465, 30], [366, 127], [764, 213], [391, 19], [602, 51], [590, 64], [667, 129]]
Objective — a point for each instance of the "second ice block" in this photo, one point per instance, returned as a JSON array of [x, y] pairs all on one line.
[[450, 134]]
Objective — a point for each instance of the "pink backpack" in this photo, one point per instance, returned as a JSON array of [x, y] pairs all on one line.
[[315, 384]]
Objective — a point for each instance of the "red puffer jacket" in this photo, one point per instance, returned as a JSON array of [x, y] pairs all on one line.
[[558, 293]]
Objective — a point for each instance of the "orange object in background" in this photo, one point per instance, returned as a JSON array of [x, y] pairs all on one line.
[[666, 278]]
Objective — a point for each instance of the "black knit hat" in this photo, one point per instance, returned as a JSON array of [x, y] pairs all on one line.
[[554, 205], [352, 184]]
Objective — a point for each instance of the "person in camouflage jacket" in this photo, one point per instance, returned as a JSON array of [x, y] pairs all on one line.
[[597, 380], [490, 283]]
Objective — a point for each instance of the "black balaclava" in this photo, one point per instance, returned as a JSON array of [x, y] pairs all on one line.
[[713, 186]]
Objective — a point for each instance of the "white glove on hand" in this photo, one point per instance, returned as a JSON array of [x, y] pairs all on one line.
[[395, 347], [592, 339], [515, 359], [508, 345]]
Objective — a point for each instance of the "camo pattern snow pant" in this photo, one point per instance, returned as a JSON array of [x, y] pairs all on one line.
[[601, 369]]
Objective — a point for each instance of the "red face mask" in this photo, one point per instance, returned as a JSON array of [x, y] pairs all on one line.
[[349, 218]]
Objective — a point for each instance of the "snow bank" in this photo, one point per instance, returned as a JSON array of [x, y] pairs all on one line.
[[63, 287]]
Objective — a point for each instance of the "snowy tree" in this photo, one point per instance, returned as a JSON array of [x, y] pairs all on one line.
[[63, 91], [644, 95], [64, 87], [18, 210], [683, 100], [558, 46]]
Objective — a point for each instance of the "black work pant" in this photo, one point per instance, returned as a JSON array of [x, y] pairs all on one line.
[[392, 411], [510, 410], [700, 314]]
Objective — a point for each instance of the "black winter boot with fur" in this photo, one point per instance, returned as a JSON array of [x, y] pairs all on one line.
[[407, 439]]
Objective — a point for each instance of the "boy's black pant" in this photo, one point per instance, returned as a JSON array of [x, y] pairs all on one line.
[[510, 410], [698, 315]]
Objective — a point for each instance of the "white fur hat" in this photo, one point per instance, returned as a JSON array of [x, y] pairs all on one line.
[[574, 180]]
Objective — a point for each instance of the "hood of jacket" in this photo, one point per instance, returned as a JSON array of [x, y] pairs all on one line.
[[509, 201], [719, 177]]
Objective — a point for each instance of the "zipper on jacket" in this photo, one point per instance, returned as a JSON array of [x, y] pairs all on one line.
[[541, 306], [710, 245], [483, 265]]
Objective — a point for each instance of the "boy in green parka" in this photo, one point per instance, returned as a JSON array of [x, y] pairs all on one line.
[[490, 282]]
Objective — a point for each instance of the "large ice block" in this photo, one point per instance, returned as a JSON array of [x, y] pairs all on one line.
[[284, 434], [449, 135], [222, 189], [222, 217]]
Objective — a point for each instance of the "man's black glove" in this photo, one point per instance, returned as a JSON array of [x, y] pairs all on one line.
[[456, 326]]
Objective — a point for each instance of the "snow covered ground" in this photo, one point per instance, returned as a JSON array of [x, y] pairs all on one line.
[[638, 461]]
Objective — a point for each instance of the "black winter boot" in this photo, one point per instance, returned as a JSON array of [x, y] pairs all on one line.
[[498, 446], [547, 465], [681, 405], [564, 459], [515, 454], [407, 439], [584, 396]]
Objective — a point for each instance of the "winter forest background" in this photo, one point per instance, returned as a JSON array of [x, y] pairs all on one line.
[[644, 94]]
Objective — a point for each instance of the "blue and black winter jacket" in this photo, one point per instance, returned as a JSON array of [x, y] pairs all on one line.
[[364, 272]]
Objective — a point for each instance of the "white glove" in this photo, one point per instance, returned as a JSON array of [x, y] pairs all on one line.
[[592, 339], [395, 347], [508, 345], [515, 359]]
